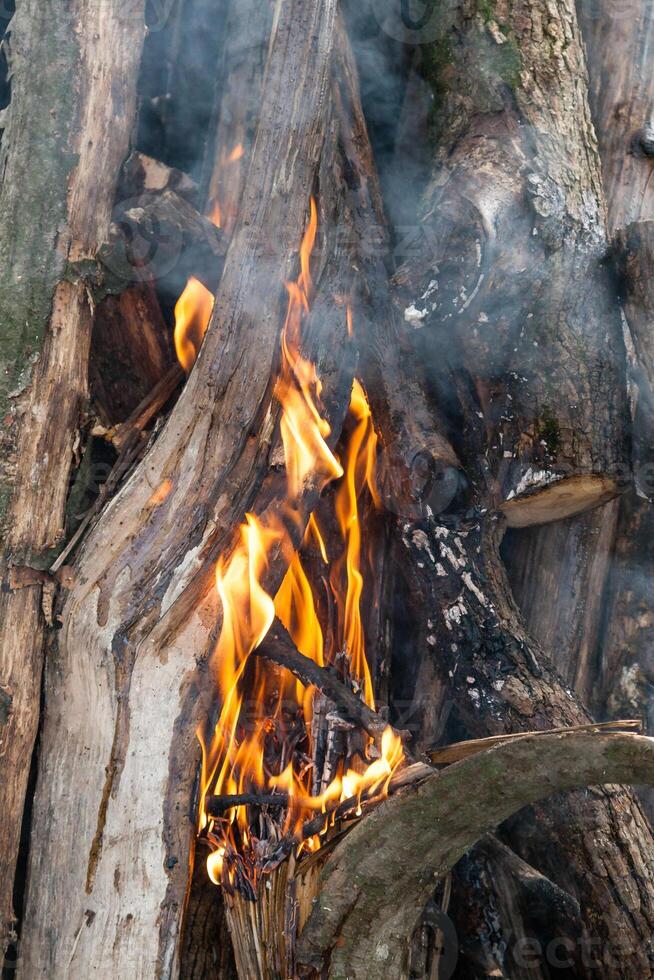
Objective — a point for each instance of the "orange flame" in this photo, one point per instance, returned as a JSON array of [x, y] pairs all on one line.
[[192, 315], [359, 472], [235, 760]]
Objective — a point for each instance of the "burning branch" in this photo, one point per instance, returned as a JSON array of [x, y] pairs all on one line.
[[278, 647]]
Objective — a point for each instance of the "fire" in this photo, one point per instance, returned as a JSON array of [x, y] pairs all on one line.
[[195, 305], [192, 314], [262, 746]]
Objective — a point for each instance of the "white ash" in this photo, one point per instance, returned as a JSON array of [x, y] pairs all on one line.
[[534, 478], [414, 316]]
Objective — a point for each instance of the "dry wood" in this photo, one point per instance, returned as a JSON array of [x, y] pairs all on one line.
[[446, 754], [131, 351], [414, 840], [62, 147], [619, 44], [145, 610], [558, 573]]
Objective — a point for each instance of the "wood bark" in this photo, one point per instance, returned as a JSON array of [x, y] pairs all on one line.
[[619, 42], [510, 296], [143, 611], [62, 148], [414, 840]]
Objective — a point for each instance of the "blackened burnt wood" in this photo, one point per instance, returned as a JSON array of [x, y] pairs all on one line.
[[278, 647], [144, 613], [63, 143], [501, 682]]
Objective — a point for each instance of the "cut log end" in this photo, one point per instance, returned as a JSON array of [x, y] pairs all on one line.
[[566, 498]]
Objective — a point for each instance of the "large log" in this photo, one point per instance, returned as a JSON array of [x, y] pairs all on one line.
[[510, 301], [62, 148], [112, 823], [496, 675], [414, 840]]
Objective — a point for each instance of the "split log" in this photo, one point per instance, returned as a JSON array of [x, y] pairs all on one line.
[[618, 40], [143, 611], [558, 574], [60, 164], [413, 840]]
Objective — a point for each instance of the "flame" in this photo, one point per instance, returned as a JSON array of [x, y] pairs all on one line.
[[237, 758], [192, 315], [359, 472], [298, 388]]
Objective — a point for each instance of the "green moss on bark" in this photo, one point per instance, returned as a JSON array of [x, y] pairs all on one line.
[[36, 162]]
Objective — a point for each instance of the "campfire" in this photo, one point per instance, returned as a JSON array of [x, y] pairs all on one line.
[[323, 489], [282, 752]]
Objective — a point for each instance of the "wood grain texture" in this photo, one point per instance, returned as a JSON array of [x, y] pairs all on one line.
[[131, 681], [62, 148]]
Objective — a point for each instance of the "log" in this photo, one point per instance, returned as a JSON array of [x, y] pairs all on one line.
[[413, 841], [621, 93], [131, 351], [558, 574], [159, 235], [512, 279], [532, 923], [61, 156], [619, 42], [146, 632]]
